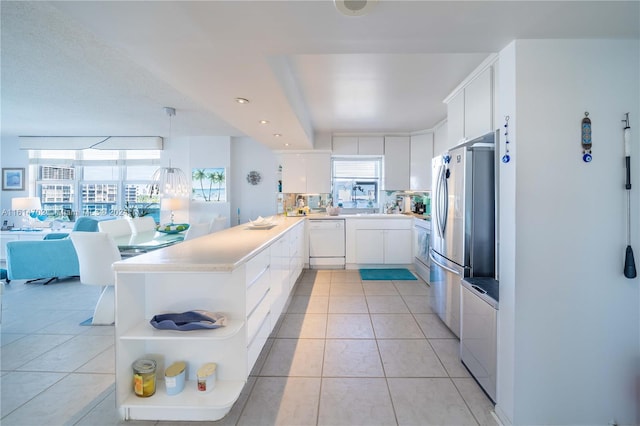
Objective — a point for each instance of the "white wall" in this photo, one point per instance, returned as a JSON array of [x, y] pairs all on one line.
[[11, 156], [198, 152], [253, 200], [575, 346], [505, 105]]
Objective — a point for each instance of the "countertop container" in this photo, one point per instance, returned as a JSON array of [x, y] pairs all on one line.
[[174, 377]]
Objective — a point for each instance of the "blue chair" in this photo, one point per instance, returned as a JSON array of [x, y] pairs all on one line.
[[84, 224], [41, 259], [49, 258]]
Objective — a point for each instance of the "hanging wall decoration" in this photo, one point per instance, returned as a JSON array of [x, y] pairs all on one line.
[[506, 157], [586, 138], [209, 184], [254, 178]]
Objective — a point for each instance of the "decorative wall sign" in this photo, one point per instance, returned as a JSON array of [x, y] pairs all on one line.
[[209, 185], [506, 157], [12, 179], [586, 138], [254, 177]]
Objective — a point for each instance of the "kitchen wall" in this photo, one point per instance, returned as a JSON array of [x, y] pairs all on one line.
[[253, 200], [11, 156], [569, 325]]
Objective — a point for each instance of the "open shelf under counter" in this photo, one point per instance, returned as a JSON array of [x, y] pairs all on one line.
[[188, 405], [145, 331]]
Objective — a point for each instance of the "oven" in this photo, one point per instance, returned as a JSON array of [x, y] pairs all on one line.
[[421, 247]]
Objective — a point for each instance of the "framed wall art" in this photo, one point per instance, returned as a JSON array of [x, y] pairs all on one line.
[[12, 179], [209, 184]]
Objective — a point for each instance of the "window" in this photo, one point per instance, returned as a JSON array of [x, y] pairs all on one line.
[[356, 181], [94, 182]]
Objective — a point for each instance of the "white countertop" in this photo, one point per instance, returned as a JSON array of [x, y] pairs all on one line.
[[221, 251]]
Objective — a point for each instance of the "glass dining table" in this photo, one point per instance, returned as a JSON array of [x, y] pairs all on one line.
[[146, 241]]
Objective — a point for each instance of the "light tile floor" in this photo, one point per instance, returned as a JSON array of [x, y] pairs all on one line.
[[346, 352]]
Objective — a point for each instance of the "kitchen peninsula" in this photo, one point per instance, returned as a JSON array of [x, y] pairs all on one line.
[[246, 274]]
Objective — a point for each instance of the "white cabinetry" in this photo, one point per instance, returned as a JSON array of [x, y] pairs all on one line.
[[478, 105], [379, 241], [306, 172], [440, 138], [455, 119], [397, 150], [470, 110], [420, 161], [251, 295], [358, 145]]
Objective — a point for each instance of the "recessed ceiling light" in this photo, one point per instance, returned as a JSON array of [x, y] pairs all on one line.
[[242, 100], [354, 7], [277, 135], [286, 144], [264, 121]]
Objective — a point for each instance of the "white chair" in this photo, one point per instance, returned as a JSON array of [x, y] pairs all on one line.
[[196, 230], [115, 228], [97, 251], [142, 224], [218, 224]]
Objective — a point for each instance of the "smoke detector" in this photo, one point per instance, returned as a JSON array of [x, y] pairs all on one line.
[[355, 7]]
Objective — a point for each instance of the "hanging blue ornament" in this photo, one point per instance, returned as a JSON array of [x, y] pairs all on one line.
[[506, 158], [587, 158]]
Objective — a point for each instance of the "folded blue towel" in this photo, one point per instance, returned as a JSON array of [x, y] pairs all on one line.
[[190, 320]]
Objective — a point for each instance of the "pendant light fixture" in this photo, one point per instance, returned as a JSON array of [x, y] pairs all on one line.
[[170, 182]]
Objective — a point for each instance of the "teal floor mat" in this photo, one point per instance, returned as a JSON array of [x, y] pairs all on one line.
[[386, 274]]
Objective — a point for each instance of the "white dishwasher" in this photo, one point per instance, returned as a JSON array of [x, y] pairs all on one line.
[[326, 243]]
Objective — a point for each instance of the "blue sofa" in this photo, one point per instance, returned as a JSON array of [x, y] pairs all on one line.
[[50, 258]]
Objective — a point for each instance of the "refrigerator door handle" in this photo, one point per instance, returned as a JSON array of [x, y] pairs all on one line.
[[441, 201], [434, 260], [445, 204]]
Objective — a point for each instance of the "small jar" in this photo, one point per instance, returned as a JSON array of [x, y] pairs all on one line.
[[174, 377], [144, 377], [207, 377]]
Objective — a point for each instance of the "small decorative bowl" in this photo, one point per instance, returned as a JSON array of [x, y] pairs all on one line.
[[172, 228], [333, 211]]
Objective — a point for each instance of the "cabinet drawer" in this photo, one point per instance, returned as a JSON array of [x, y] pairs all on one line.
[[255, 347], [256, 319], [257, 289], [256, 266]]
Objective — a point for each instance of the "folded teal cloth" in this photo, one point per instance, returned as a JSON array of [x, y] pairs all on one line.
[[190, 320]]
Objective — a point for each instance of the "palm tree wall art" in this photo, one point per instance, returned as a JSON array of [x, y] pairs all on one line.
[[208, 184]]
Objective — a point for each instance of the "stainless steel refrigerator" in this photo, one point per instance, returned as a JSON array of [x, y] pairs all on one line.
[[463, 223]]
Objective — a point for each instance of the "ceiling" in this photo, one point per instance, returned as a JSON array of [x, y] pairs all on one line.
[[107, 68]]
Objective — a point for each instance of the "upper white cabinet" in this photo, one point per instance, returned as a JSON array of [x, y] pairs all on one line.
[[397, 151], [441, 138], [358, 145], [306, 172], [455, 119], [478, 105], [420, 162], [470, 110]]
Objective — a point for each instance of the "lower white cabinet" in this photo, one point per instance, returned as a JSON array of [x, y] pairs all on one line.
[[385, 241], [252, 297], [383, 246]]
